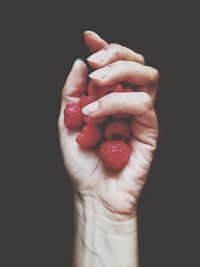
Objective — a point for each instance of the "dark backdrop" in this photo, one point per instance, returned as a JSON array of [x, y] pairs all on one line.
[[39, 42]]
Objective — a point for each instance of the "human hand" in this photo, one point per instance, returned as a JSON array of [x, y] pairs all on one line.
[[117, 191]]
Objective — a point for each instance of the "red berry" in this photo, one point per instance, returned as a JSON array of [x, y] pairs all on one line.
[[128, 90], [101, 91], [117, 130], [121, 116], [91, 88], [97, 91], [117, 88], [86, 100], [115, 154], [94, 121], [73, 117], [89, 136]]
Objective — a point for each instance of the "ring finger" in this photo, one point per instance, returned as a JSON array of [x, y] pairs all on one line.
[[132, 72]]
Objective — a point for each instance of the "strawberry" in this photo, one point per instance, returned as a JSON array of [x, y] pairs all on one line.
[[117, 130], [115, 154], [73, 117], [89, 136]]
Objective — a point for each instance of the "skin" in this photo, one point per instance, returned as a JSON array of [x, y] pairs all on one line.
[[117, 191]]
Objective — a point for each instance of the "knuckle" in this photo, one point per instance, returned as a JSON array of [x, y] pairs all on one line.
[[147, 102], [115, 45], [154, 76], [141, 59], [117, 50], [115, 65]]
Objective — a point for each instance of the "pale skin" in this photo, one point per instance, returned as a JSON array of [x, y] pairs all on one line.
[[116, 192]]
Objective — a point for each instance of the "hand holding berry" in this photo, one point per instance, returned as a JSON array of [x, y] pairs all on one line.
[[117, 191]]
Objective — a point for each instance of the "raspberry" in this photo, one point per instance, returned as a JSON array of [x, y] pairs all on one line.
[[117, 130], [94, 121], [128, 90], [101, 91], [86, 100], [117, 88], [94, 90], [115, 154], [97, 91], [89, 136], [73, 117], [91, 88], [121, 116]]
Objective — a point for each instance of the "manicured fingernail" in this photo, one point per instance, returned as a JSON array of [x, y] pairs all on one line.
[[78, 60], [98, 57], [100, 74], [91, 108], [91, 32]]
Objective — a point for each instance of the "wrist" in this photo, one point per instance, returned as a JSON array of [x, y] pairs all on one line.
[[97, 215], [102, 239]]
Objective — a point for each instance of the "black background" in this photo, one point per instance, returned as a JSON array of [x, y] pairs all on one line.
[[39, 42]]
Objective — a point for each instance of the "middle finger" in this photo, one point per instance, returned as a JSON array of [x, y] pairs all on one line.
[[127, 71]]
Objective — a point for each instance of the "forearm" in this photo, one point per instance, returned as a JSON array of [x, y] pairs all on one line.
[[101, 238]]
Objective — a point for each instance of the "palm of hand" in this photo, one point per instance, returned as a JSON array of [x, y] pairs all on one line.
[[118, 191]]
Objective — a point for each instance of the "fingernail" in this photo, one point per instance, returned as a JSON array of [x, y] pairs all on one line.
[[98, 57], [100, 74], [78, 60], [91, 108], [91, 32]]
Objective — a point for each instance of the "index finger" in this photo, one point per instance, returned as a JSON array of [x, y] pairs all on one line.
[[93, 41]]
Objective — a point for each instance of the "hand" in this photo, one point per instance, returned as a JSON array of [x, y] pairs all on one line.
[[117, 191]]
